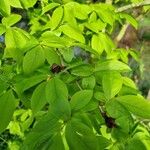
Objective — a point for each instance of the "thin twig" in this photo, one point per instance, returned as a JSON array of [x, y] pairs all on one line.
[[130, 6]]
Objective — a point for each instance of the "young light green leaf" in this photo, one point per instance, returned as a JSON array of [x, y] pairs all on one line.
[[7, 107], [82, 15], [28, 3], [88, 82], [15, 3], [97, 44], [56, 90], [49, 39], [82, 70], [11, 20], [4, 7], [73, 33], [51, 56], [49, 7], [25, 82], [136, 104], [2, 29], [81, 99], [114, 65], [56, 17], [38, 99], [33, 59], [67, 54], [130, 19], [128, 82], [112, 84]]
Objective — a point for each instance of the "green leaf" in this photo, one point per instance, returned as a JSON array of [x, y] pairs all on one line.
[[2, 29], [49, 7], [7, 107], [97, 44], [51, 40], [67, 54], [88, 82], [68, 15], [56, 17], [33, 60], [122, 116], [128, 82], [25, 82], [38, 99], [129, 19], [28, 3], [82, 15], [136, 104], [82, 70], [51, 56], [114, 65], [80, 99], [56, 143], [79, 134], [15, 3], [11, 20], [15, 39], [112, 84], [96, 26], [43, 132], [5, 7], [56, 90], [73, 33], [103, 142], [135, 143]]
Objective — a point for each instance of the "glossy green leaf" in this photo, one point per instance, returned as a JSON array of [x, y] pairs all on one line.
[[112, 84], [33, 60], [136, 104], [88, 82], [130, 19], [11, 20], [49, 7], [128, 82], [56, 90], [80, 99], [73, 33], [82, 70], [15, 3], [7, 107], [122, 116], [28, 3], [43, 132], [56, 17], [97, 44], [5, 7], [25, 82], [96, 26], [2, 29], [114, 65], [51, 56], [77, 133], [67, 54], [82, 15], [51, 40], [68, 15], [15, 39], [38, 99]]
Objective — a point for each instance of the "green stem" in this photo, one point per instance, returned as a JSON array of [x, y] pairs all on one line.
[[130, 6]]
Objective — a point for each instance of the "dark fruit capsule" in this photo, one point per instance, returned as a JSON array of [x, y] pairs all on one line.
[[110, 122], [56, 68]]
